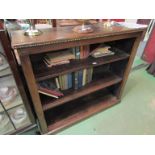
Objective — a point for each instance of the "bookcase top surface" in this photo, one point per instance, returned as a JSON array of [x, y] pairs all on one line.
[[66, 34]]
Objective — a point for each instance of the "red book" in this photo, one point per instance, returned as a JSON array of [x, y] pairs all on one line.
[[50, 92], [84, 52]]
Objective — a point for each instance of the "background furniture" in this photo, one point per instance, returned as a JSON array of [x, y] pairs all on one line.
[[11, 77], [109, 77]]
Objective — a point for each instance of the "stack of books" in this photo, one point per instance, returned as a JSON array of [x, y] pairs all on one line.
[[102, 50], [58, 58]]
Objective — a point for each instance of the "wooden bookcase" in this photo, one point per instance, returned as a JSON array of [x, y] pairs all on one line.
[[109, 76]]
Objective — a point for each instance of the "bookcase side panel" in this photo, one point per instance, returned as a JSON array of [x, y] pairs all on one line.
[[30, 79], [128, 67]]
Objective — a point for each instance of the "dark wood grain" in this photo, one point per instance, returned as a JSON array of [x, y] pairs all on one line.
[[64, 34], [82, 109], [30, 79], [129, 65]]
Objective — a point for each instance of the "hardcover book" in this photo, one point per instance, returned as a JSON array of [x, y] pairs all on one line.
[[49, 88], [58, 58], [80, 78], [101, 51]]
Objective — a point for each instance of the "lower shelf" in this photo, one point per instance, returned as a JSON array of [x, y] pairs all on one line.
[[75, 111], [108, 79]]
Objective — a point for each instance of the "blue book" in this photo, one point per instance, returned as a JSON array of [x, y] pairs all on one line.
[[75, 80], [80, 78], [69, 80], [74, 51], [77, 53]]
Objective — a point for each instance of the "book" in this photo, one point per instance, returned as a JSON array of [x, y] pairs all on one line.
[[74, 51], [57, 83], [47, 93], [84, 77], [87, 76], [60, 81], [80, 78], [102, 50], [65, 81], [55, 64], [59, 56], [77, 52], [84, 52], [75, 80], [69, 80], [49, 88], [91, 74]]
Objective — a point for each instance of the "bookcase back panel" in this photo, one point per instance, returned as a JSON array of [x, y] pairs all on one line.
[[122, 44]]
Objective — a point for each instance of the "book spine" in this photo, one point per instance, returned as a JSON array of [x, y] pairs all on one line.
[[75, 80], [50, 91], [60, 82], [80, 78], [77, 56], [74, 51], [64, 84], [66, 81], [87, 75], [81, 52], [91, 74], [84, 51], [47, 94], [84, 77], [69, 80], [57, 83], [87, 51]]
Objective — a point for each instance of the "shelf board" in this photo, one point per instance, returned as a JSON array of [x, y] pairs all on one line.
[[42, 72], [82, 110], [108, 80]]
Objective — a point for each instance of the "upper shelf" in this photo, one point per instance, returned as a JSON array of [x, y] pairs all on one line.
[[42, 72]]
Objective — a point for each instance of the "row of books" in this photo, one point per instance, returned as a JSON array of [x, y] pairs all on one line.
[[76, 80], [64, 82], [82, 77], [81, 52]]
